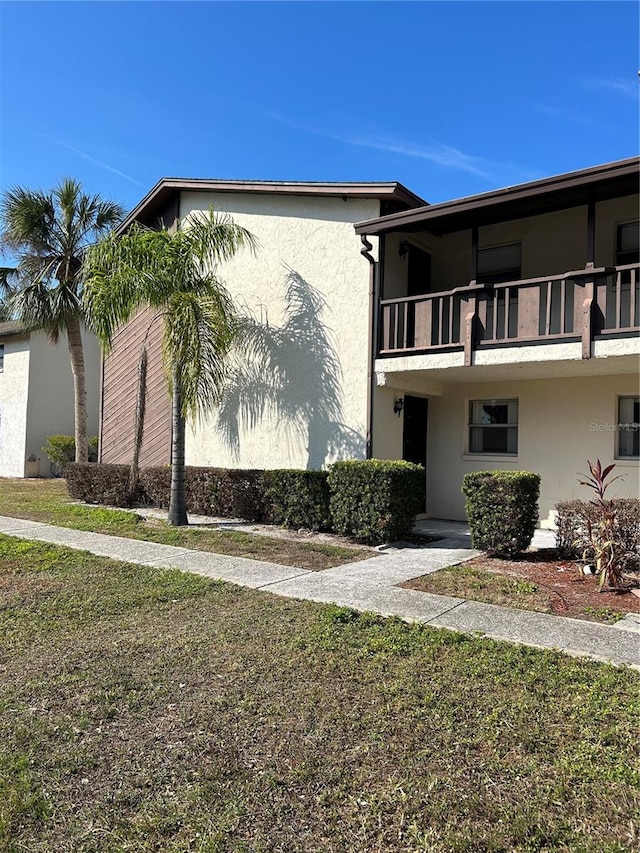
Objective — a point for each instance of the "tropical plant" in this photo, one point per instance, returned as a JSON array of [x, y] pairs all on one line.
[[49, 232], [604, 545], [174, 273]]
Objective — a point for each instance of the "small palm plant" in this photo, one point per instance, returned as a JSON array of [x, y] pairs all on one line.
[[603, 545]]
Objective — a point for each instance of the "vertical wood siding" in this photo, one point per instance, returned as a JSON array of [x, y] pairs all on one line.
[[119, 393]]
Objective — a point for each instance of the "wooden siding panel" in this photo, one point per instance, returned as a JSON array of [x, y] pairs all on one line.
[[120, 385]]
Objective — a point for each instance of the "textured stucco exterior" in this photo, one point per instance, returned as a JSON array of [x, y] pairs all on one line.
[[36, 399], [561, 423], [14, 394], [310, 284]]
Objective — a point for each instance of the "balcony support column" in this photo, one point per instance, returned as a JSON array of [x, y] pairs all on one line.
[[591, 232], [587, 319], [473, 269]]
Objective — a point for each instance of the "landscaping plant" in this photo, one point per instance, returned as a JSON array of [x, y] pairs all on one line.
[[502, 508], [604, 547]]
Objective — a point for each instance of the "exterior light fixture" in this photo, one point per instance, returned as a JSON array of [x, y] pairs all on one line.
[[398, 406], [403, 251]]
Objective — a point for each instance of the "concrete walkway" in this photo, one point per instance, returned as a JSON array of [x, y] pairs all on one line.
[[372, 585]]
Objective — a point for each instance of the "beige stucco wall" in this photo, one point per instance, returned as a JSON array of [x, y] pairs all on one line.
[[14, 390], [51, 402], [307, 244], [562, 423], [551, 243]]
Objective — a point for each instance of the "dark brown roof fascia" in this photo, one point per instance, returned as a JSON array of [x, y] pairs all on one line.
[[12, 327], [566, 184], [157, 197]]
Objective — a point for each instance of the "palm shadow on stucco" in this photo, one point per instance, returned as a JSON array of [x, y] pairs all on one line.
[[291, 374]]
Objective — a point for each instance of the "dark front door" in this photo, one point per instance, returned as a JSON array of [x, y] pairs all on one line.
[[414, 432]]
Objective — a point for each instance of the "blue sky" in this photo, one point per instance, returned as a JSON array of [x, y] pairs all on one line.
[[450, 98]]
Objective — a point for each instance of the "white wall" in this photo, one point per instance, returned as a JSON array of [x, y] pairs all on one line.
[[14, 389], [51, 399], [562, 423], [310, 244]]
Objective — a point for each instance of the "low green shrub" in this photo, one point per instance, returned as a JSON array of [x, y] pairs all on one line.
[[502, 509], [298, 498], [572, 529], [61, 450], [155, 485], [238, 493], [99, 484], [375, 500]]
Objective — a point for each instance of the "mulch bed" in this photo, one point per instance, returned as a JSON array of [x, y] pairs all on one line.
[[571, 592]]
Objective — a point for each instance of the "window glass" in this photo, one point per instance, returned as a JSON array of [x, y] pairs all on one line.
[[628, 243], [500, 263], [1, 357], [629, 427], [493, 426]]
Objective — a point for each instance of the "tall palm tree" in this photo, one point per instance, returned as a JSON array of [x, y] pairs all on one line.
[[49, 232], [175, 274]]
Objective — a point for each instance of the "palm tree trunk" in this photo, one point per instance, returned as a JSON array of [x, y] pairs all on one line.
[[76, 357], [138, 427], [177, 502]]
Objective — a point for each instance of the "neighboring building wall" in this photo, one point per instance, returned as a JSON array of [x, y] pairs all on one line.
[[120, 393], [562, 423], [14, 392], [309, 282], [51, 399], [36, 399]]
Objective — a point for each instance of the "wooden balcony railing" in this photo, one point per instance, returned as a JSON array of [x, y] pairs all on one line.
[[580, 304]]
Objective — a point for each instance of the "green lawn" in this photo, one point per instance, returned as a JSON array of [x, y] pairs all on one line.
[[48, 501], [147, 710]]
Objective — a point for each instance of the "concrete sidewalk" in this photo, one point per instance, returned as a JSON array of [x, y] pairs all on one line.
[[371, 585]]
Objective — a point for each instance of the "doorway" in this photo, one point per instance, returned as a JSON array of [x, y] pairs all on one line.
[[414, 433]]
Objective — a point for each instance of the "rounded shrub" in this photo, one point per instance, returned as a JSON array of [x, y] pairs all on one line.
[[502, 509]]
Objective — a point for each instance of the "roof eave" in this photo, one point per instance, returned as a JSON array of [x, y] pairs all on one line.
[[166, 187], [520, 192]]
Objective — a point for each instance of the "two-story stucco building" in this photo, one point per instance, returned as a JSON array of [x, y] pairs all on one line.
[[495, 331], [36, 396]]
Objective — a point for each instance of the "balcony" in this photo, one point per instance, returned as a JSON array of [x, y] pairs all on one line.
[[574, 306]]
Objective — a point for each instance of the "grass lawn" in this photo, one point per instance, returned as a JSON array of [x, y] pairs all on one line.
[[49, 502], [147, 710]]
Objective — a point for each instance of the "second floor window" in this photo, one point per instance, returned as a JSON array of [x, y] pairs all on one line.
[[628, 243], [500, 263]]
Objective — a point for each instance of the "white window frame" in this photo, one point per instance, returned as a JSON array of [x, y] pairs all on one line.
[[475, 425], [626, 429]]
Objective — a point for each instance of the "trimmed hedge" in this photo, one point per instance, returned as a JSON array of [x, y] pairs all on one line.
[[573, 516], [375, 501], [99, 484], [298, 498], [238, 493], [61, 450], [502, 508]]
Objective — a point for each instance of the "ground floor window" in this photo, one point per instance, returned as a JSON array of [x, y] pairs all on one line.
[[628, 427], [493, 427]]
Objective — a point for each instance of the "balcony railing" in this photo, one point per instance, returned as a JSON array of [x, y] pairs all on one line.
[[574, 305]]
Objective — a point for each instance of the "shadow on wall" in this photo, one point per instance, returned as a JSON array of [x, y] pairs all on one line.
[[290, 374]]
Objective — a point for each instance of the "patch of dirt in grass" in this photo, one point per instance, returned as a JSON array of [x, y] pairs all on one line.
[[536, 580]]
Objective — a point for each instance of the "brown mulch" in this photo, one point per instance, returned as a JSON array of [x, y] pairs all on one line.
[[571, 592]]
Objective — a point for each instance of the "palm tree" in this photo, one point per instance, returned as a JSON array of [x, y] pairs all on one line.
[[49, 233], [175, 274]]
